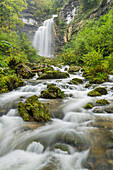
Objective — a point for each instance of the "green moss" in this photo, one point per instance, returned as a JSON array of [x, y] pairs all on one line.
[[80, 81], [101, 90], [94, 93], [33, 110], [102, 102], [87, 85], [53, 75], [88, 106], [74, 69], [8, 83], [52, 92]]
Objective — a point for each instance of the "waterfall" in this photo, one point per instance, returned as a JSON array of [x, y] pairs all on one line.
[[44, 39]]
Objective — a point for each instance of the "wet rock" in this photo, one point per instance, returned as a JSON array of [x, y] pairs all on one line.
[[98, 91], [102, 102], [53, 75], [74, 69], [62, 147], [101, 90], [52, 92], [98, 110], [33, 110], [24, 71], [111, 88], [87, 85], [94, 93], [109, 109], [76, 81], [88, 106]]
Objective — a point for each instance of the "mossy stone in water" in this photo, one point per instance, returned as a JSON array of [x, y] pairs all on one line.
[[52, 92], [74, 69], [94, 93], [102, 102], [62, 147], [88, 106], [33, 110], [53, 75], [87, 85], [101, 90], [98, 91]]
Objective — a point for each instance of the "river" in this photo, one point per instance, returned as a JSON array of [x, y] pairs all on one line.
[[74, 139]]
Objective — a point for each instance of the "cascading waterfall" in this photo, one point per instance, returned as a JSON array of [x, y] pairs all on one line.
[[44, 39]]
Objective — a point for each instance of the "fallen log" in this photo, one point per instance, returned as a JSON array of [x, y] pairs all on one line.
[[38, 70]]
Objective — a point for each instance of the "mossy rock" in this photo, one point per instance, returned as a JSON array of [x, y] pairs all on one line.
[[94, 93], [98, 91], [74, 80], [33, 110], [111, 88], [87, 85], [24, 71], [102, 102], [62, 147], [86, 74], [8, 83], [96, 80], [53, 75], [52, 92], [74, 69], [101, 90], [88, 106]]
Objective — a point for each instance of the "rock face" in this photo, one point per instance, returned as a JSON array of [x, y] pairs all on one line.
[[31, 22], [33, 110], [64, 28]]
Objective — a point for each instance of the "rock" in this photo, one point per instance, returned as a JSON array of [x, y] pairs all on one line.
[[98, 91], [109, 109], [87, 85], [52, 92], [88, 106], [74, 69], [77, 81], [53, 75], [101, 90], [111, 88], [8, 83], [24, 71], [98, 110], [102, 102], [33, 110], [62, 147], [93, 93]]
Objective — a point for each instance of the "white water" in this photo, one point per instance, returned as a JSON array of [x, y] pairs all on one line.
[[22, 148], [44, 39]]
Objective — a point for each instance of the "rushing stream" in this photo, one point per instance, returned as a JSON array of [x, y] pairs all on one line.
[[32, 146]]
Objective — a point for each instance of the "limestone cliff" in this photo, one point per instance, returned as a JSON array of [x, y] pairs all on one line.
[[71, 19]]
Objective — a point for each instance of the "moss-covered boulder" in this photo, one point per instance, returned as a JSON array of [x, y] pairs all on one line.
[[87, 85], [8, 83], [33, 110], [63, 147], [102, 102], [74, 69], [101, 90], [24, 71], [88, 106], [94, 93], [52, 92], [53, 75], [98, 91], [76, 81]]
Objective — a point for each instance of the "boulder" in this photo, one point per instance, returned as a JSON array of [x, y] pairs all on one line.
[[88, 106], [102, 102], [76, 81], [8, 83], [98, 91], [74, 69], [53, 75], [24, 71], [33, 110], [109, 109], [52, 92]]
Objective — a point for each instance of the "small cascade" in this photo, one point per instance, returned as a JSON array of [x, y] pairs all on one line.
[[44, 39]]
